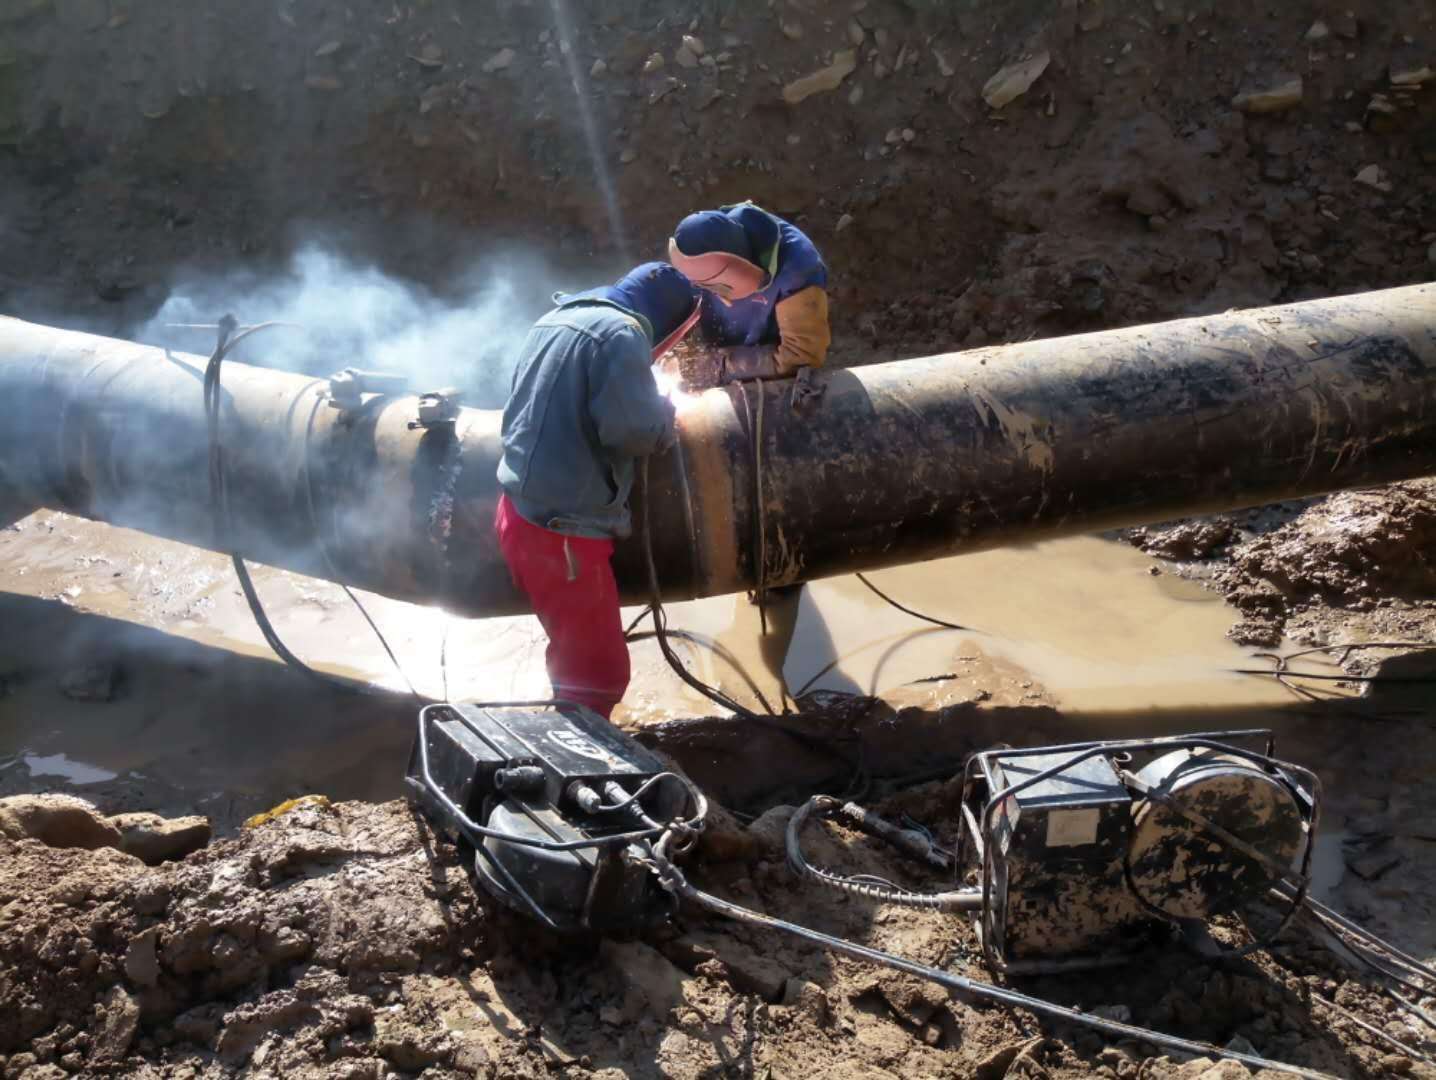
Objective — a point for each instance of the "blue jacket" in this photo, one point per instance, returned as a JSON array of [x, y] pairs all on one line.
[[582, 407], [792, 264]]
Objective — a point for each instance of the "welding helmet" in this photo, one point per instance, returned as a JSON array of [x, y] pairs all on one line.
[[716, 253], [663, 299]]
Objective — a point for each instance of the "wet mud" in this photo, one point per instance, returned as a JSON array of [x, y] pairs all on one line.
[[343, 939], [1357, 567]]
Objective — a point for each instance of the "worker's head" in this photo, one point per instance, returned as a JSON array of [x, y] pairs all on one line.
[[663, 296], [716, 253]]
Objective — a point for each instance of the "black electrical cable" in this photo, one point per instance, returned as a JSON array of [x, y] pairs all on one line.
[[1403, 679], [660, 630], [219, 495], [672, 879], [717, 648], [1368, 956], [909, 611], [1282, 673], [633, 625]]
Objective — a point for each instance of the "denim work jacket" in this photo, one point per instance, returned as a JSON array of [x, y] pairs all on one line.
[[583, 406]]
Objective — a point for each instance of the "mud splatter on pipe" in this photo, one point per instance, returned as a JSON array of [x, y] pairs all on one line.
[[896, 463]]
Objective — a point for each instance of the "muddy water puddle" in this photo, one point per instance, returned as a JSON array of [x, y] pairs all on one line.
[[201, 704], [1084, 618]]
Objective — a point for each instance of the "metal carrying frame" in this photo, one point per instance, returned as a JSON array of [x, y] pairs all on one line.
[[977, 767]]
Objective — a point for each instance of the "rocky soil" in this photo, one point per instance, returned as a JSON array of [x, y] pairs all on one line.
[[1146, 160], [345, 941]]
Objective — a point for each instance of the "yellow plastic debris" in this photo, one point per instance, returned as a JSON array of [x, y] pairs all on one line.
[[321, 801]]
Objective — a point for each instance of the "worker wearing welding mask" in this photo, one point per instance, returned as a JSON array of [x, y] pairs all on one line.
[[764, 287], [583, 407]]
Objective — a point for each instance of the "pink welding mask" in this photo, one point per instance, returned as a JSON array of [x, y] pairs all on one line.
[[730, 277]]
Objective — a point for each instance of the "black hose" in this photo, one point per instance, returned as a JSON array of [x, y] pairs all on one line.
[[219, 496], [909, 611], [672, 879], [884, 891]]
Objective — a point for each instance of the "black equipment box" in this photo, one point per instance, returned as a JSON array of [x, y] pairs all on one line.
[[1060, 858], [508, 781]]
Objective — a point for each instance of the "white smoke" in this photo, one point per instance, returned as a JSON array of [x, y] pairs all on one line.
[[347, 314]]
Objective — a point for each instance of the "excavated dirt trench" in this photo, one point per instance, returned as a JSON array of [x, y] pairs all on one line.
[[344, 939], [171, 150]]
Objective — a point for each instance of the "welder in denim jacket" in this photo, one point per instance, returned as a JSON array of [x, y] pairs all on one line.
[[583, 407], [764, 289]]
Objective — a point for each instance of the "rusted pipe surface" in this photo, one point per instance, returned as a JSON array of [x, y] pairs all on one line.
[[896, 463]]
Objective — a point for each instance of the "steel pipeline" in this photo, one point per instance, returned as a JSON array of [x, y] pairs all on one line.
[[895, 463]]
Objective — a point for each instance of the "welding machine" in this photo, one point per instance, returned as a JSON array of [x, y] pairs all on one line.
[[555, 805], [1081, 851]]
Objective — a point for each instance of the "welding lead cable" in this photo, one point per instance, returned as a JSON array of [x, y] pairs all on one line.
[[909, 611], [1336, 921], [672, 879], [661, 632], [717, 648], [228, 340], [220, 497], [646, 787], [873, 888], [1364, 954]]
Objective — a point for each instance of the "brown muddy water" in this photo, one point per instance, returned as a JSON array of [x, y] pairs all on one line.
[[203, 715]]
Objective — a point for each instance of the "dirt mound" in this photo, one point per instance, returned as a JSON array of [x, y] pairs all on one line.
[[1366, 558], [343, 941], [1126, 183], [299, 930], [1353, 550]]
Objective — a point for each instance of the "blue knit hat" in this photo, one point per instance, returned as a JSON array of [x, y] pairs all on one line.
[[658, 292], [713, 230]]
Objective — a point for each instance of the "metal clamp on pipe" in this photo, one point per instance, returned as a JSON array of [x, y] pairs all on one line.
[[348, 387], [438, 408]]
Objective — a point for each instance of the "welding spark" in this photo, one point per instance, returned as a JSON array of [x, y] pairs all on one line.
[[671, 388]]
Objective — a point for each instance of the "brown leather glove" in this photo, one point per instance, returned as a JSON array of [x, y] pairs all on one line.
[[803, 334]]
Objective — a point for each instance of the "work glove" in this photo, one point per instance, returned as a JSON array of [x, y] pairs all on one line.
[[750, 362], [670, 432]]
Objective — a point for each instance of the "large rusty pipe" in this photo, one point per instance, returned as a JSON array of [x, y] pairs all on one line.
[[896, 463]]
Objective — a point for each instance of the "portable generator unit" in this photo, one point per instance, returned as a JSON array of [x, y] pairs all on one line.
[[1081, 852], [555, 806]]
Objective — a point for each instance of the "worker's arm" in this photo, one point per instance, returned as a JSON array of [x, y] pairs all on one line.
[[803, 334], [629, 414], [803, 340]]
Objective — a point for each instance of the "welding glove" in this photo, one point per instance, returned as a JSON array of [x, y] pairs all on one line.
[[803, 333], [669, 436]]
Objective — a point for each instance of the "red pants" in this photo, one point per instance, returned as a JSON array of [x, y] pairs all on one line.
[[587, 657]]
